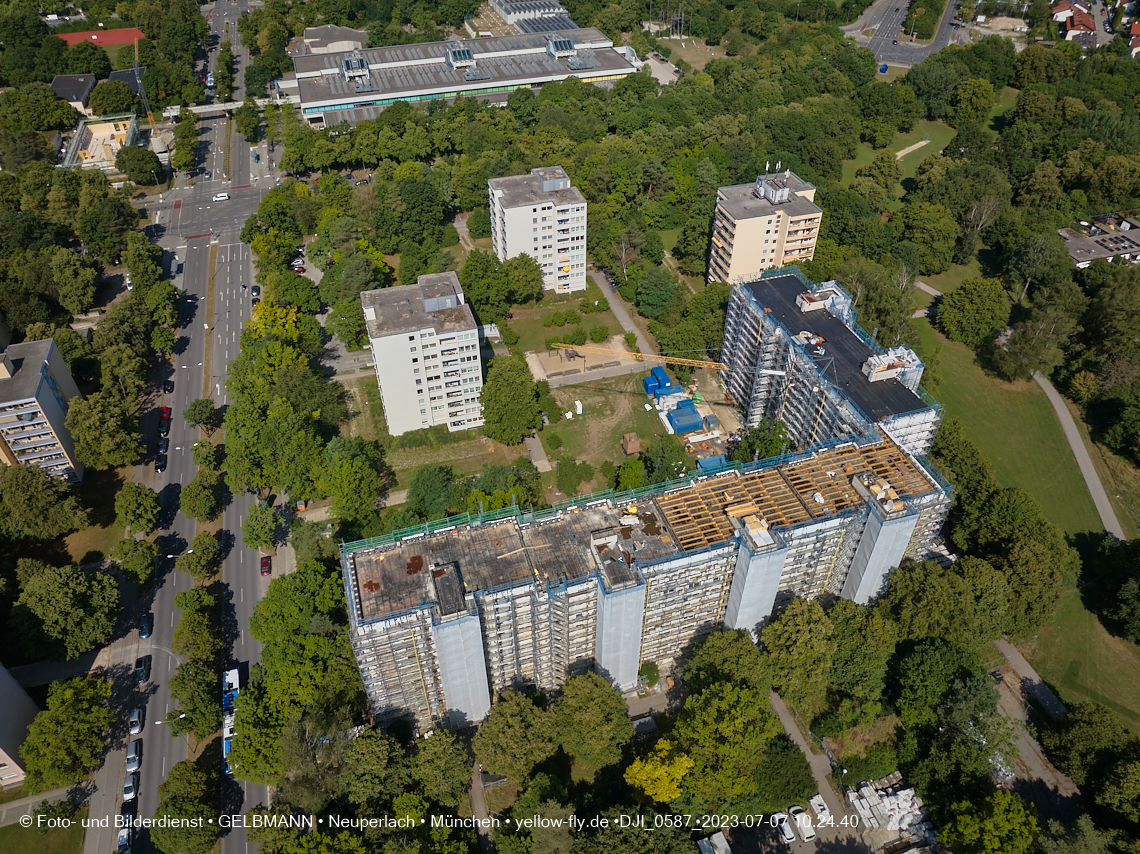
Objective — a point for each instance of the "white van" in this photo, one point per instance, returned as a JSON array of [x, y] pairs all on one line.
[[222, 197]]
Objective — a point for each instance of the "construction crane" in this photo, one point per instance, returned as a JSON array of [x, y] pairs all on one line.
[[576, 349], [142, 94]]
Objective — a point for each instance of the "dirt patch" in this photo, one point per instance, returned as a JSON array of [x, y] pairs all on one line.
[[858, 739]]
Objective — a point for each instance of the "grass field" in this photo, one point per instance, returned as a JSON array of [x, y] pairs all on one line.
[[1075, 655], [1120, 477], [952, 279], [612, 407], [527, 321], [1006, 100], [940, 134], [1016, 428], [19, 840], [693, 51]]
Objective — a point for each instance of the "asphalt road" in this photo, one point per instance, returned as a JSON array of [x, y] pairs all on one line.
[[889, 21]]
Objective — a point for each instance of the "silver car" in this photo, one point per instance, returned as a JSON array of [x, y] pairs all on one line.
[[787, 835], [130, 787], [134, 755], [136, 721]]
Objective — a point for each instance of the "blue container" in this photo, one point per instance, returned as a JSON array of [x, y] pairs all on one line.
[[667, 390], [662, 377], [650, 384], [712, 463], [685, 420]]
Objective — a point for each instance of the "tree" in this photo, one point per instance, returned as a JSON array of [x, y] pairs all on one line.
[[934, 230], [440, 767], [631, 475], [514, 737], [187, 793], [971, 102], [664, 459], [63, 612], [113, 97], [75, 281], [247, 120], [195, 690], [136, 558], [510, 404], [199, 498], [136, 507], [65, 742], [783, 777], [659, 775], [197, 638], [800, 645], [729, 657], [185, 141], [201, 413], [1086, 742], [140, 165], [1003, 822], [884, 170], [591, 722], [973, 313], [1080, 838], [767, 439], [1120, 791], [104, 433], [201, 558], [258, 529], [724, 730], [655, 290], [35, 504], [864, 642], [926, 676]]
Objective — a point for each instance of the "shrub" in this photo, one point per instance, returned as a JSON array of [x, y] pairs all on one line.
[[631, 342], [450, 235], [599, 333], [554, 441], [577, 335], [479, 223], [877, 761], [650, 673], [510, 337]]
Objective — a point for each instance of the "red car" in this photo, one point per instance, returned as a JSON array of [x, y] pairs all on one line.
[[164, 420], [266, 565]]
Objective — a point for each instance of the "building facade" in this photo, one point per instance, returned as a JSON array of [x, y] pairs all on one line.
[[443, 620], [425, 345], [19, 711], [35, 389], [796, 355], [543, 216], [761, 226]]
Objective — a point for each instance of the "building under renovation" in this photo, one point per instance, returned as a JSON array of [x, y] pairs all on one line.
[[796, 355], [445, 616]]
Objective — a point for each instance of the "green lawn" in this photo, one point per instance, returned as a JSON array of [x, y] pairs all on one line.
[[527, 321], [669, 238], [939, 135], [952, 279], [19, 840], [1006, 100], [1016, 428], [1075, 655]]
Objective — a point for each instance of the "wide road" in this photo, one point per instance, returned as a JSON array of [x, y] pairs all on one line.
[[889, 21]]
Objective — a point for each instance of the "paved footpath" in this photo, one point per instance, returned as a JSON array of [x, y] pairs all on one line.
[[13, 811], [479, 808], [820, 767], [1030, 681]]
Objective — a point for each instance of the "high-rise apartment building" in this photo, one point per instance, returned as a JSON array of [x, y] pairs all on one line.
[[543, 216], [425, 345], [761, 226], [19, 712], [444, 617], [35, 388], [797, 356]]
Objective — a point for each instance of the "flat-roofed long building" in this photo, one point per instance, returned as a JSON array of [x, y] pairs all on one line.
[[444, 618], [542, 215], [796, 355], [351, 86]]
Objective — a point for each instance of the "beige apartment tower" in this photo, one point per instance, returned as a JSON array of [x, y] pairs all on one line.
[[762, 226]]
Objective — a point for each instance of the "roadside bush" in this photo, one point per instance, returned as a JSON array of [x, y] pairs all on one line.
[[877, 761], [561, 318], [599, 333]]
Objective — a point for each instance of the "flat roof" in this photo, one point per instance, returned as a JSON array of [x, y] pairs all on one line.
[[1084, 249], [26, 359], [401, 309], [595, 537], [407, 574], [843, 352], [741, 202], [409, 72], [521, 190]]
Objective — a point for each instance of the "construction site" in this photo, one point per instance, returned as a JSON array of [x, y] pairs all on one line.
[[795, 354], [445, 616]]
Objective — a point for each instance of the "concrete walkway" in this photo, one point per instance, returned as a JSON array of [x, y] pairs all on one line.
[[1030, 681], [479, 808], [1084, 461], [465, 239], [820, 767], [537, 454], [620, 312], [11, 812], [1076, 442], [899, 155]]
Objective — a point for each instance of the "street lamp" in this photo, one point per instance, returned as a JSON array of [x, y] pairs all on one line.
[[187, 552], [170, 720]]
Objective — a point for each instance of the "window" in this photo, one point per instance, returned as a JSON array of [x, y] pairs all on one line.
[[413, 349], [415, 361], [415, 370], [411, 337], [419, 382]]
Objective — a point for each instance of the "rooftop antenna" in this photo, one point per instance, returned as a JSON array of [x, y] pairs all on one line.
[[766, 162], [777, 165]]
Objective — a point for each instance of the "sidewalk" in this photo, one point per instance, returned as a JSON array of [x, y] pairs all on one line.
[[820, 767], [11, 812], [1031, 682], [479, 808], [620, 312]]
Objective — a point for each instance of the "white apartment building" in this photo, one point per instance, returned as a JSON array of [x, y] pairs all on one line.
[[35, 389], [543, 216], [425, 344]]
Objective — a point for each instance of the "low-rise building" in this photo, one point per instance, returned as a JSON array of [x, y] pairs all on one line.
[[1084, 249], [35, 389], [757, 227], [327, 39], [75, 89], [425, 345], [19, 712], [544, 216]]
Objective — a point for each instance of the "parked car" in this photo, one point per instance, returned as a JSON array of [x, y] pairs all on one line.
[[136, 720], [142, 669], [124, 843], [160, 463], [134, 755], [255, 301], [131, 787], [146, 625], [221, 197], [781, 821], [802, 822], [163, 444], [298, 269], [168, 386], [266, 565], [164, 420], [255, 291]]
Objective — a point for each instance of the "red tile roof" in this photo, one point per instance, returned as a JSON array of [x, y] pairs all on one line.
[[1080, 21], [104, 38]]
